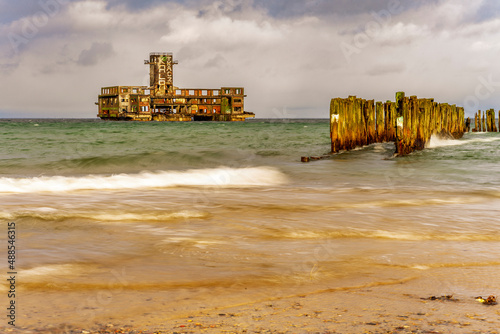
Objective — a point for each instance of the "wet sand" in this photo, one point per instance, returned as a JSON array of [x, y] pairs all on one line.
[[401, 305]]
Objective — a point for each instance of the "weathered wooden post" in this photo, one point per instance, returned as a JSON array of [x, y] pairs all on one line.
[[350, 123], [484, 122], [453, 121], [334, 124], [479, 127], [475, 123], [390, 120], [493, 121], [489, 126], [460, 120], [362, 116], [414, 110], [363, 125], [400, 97], [488, 120], [467, 124], [379, 110], [371, 127], [479, 123]]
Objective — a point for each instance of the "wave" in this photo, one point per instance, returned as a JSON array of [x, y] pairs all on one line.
[[436, 142], [367, 204], [223, 177], [51, 214], [385, 235], [439, 142]]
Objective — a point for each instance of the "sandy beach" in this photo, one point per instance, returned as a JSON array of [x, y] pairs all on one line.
[[393, 306]]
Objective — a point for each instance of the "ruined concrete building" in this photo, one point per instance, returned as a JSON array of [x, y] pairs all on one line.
[[162, 101]]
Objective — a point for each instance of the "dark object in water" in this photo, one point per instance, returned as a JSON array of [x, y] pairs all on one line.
[[491, 300], [447, 297], [307, 159]]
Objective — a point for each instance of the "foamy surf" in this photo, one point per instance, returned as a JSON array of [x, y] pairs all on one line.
[[107, 216], [436, 142], [385, 235], [218, 177]]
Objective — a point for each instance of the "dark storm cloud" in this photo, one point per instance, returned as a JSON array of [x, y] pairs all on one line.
[[286, 8], [295, 8], [96, 53], [14, 10], [138, 5], [384, 69], [489, 9]]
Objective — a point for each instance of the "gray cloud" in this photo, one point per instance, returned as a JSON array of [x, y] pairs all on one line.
[[14, 10], [295, 8], [287, 54], [218, 61], [96, 53], [384, 69], [489, 10]]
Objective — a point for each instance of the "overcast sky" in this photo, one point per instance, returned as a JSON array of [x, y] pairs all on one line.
[[292, 56]]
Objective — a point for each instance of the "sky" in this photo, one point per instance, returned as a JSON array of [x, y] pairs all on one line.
[[292, 56]]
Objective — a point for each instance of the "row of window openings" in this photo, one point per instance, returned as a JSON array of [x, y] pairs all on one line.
[[204, 111], [134, 108], [109, 91], [216, 101], [205, 92], [144, 99], [113, 101], [192, 92], [177, 92], [134, 91], [175, 111]]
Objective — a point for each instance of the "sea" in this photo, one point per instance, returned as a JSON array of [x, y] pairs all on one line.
[[163, 206]]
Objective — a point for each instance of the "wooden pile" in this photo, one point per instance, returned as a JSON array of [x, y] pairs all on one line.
[[409, 122]]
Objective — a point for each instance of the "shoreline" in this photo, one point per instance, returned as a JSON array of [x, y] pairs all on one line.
[[393, 306]]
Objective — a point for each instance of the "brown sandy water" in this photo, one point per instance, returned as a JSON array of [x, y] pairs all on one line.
[[82, 265]]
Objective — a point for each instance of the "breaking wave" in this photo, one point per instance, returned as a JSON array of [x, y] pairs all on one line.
[[223, 177], [384, 235], [109, 216], [441, 142]]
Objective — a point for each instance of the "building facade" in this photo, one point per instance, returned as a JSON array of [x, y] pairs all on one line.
[[162, 101]]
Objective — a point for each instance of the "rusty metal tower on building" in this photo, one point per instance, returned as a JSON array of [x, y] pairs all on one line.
[[161, 73]]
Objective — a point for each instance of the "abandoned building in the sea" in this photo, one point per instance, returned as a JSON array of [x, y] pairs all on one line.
[[162, 101]]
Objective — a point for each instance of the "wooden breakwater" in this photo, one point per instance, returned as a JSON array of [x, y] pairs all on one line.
[[486, 122], [409, 122]]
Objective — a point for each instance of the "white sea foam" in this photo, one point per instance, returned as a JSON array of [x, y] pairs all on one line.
[[109, 216], [439, 142], [142, 217], [51, 270], [218, 177]]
